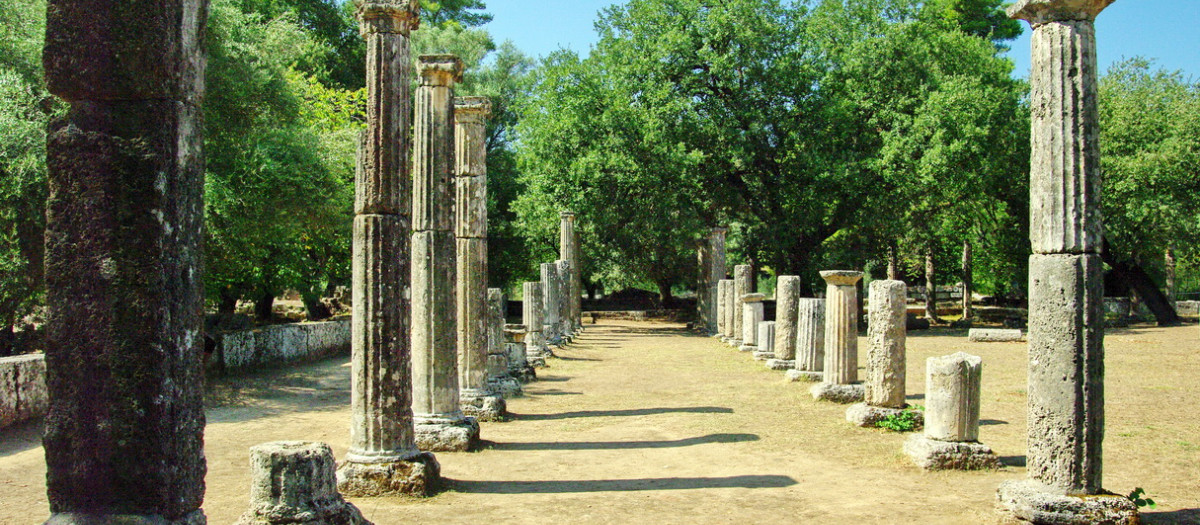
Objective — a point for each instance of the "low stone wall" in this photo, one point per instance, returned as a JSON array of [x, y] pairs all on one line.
[[22, 388], [279, 345], [642, 315], [1189, 309]]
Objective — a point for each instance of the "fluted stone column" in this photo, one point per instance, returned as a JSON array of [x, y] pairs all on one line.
[[563, 271], [476, 396], [764, 341], [787, 298], [727, 306], [752, 314], [533, 312], [440, 422], [950, 440], [710, 252], [742, 285], [499, 369], [552, 325], [568, 243], [884, 394], [841, 339], [124, 434], [719, 307], [383, 456], [810, 341], [1066, 329]]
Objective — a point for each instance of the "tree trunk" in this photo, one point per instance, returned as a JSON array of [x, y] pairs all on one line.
[[665, 298], [227, 305], [967, 277], [930, 286], [591, 290], [314, 308], [1169, 268], [1142, 286], [8, 340], [264, 307], [893, 260]]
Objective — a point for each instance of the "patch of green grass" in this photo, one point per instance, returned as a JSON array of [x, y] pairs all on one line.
[[905, 421]]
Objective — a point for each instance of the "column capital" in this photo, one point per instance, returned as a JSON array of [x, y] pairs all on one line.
[[567, 214], [719, 230], [1038, 12], [440, 70], [841, 277], [472, 109], [389, 16]]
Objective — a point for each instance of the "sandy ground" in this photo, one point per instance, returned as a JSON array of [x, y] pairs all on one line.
[[646, 423]]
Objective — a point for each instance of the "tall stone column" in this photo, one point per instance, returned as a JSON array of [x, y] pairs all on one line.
[[499, 376], [887, 335], [724, 314], [563, 272], [533, 313], [440, 423], [810, 341], [1066, 329], [742, 284], [752, 314], [125, 430], [787, 299], [568, 241], [841, 339], [710, 253], [383, 456], [476, 396], [552, 325]]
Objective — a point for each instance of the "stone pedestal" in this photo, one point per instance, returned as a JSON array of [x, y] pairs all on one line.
[[840, 382], [765, 341], [536, 350], [1066, 332], [476, 396], [293, 482], [437, 415], [383, 457], [124, 274], [499, 368], [810, 341], [743, 284], [884, 388], [518, 359], [551, 324], [752, 314], [951, 437]]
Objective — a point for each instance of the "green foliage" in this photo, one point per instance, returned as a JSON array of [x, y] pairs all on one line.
[[1139, 499], [461, 13], [905, 421]]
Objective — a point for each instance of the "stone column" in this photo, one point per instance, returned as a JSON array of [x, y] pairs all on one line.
[[383, 456], [124, 434], [716, 247], [841, 339], [710, 252], [732, 307], [951, 436], [499, 375], [787, 298], [765, 341], [742, 284], [533, 312], [440, 423], [568, 242], [1066, 329], [518, 359], [552, 325], [476, 396], [719, 308], [294, 482], [884, 394], [810, 341], [565, 314], [752, 314]]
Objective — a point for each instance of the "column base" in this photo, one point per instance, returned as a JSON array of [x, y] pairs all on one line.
[[483, 406], [525, 374], [781, 364], [418, 475], [1026, 501], [733, 342], [845, 394], [932, 454], [195, 517], [804, 376], [867, 416], [760, 355], [436, 435], [507, 386], [747, 348]]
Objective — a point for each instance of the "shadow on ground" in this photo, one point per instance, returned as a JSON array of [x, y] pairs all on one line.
[[1175, 517], [623, 413], [617, 485], [21, 437], [623, 445], [320, 386]]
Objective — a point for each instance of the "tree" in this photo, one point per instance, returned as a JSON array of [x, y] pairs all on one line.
[[463, 13]]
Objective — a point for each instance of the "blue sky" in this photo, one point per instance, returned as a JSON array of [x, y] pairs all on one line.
[[1167, 30]]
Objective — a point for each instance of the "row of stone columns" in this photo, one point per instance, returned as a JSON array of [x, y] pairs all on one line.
[[554, 316]]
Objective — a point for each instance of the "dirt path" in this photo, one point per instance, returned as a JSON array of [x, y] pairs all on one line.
[[646, 423]]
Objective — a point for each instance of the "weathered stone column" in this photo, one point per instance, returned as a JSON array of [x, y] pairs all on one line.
[[1066, 329], [515, 344], [743, 284], [810, 341], [125, 429], [710, 252], [440, 423], [563, 277], [383, 456], [752, 314], [476, 396], [552, 326], [719, 308], [533, 312], [886, 332], [841, 339], [568, 243], [764, 341], [951, 436], [499, 375], [294, 482], [787, 299]]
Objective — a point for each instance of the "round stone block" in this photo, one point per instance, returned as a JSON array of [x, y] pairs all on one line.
[[295, 482]]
